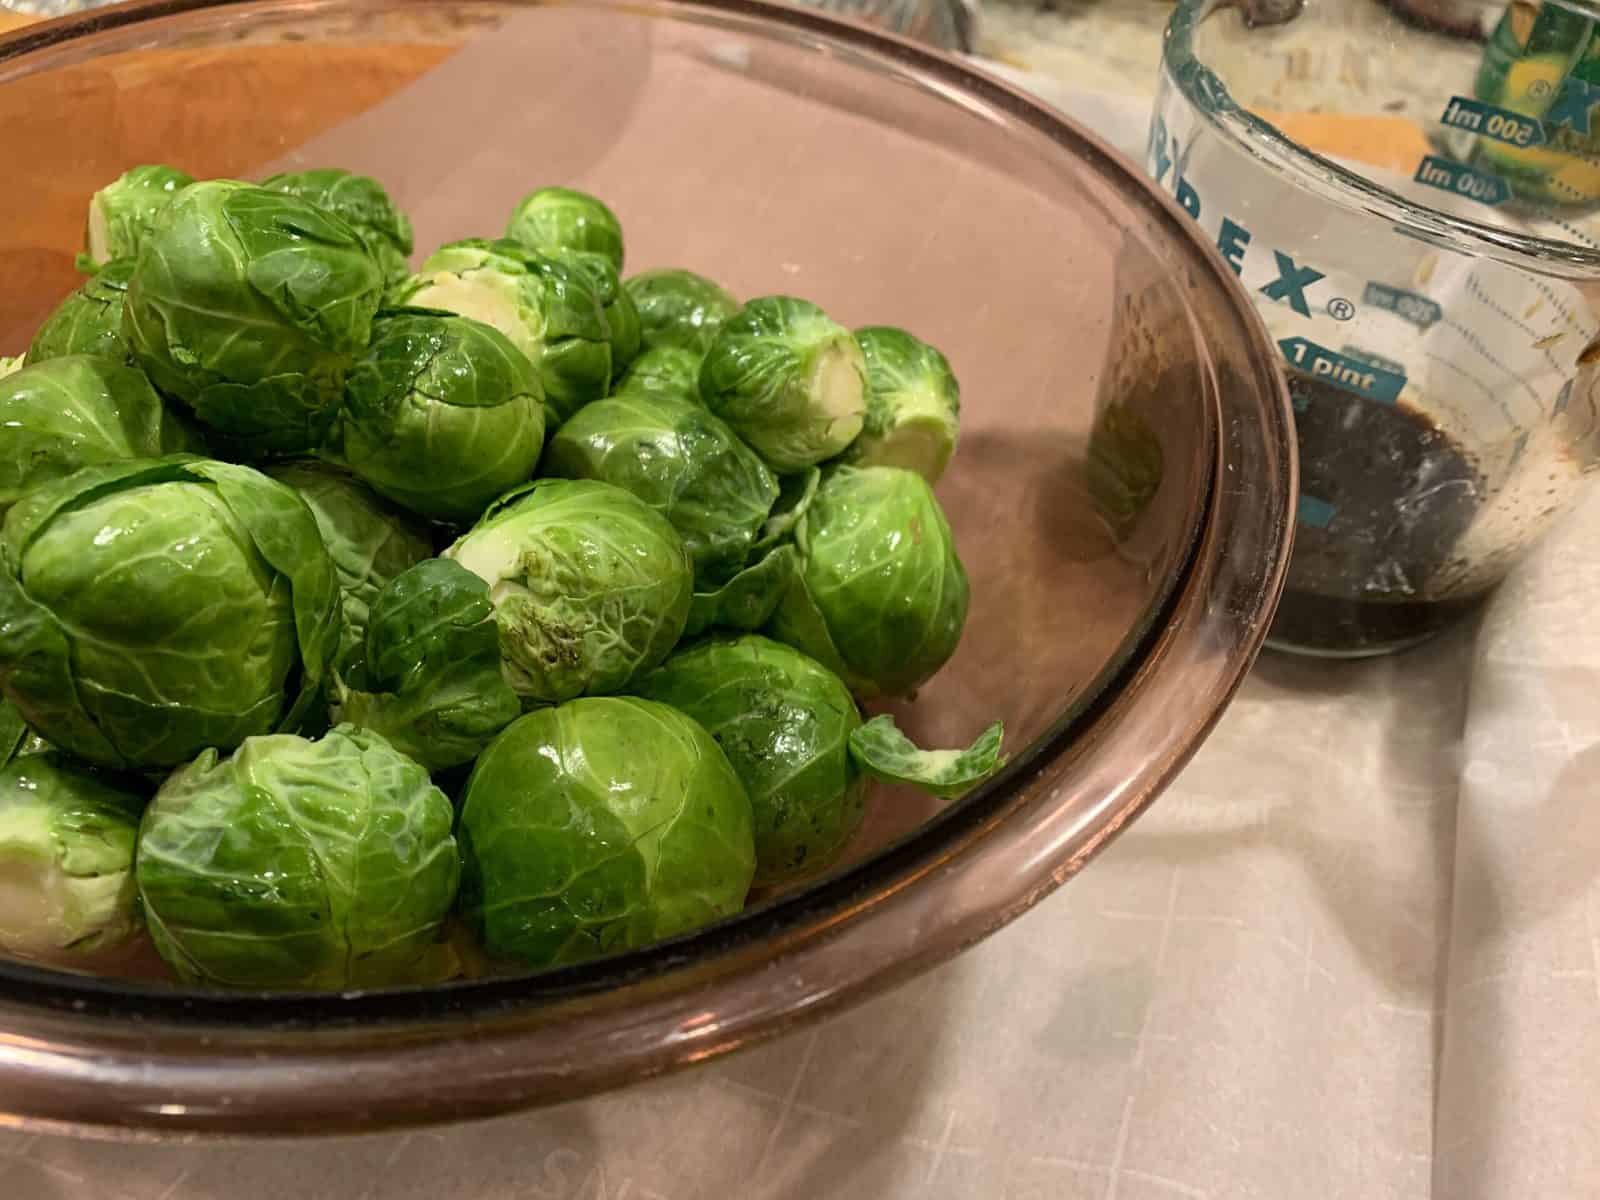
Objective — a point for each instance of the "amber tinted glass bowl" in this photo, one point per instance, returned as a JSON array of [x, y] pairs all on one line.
[[1121, 496]]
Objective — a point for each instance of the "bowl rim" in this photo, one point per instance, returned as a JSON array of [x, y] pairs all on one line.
[[112, 1058]]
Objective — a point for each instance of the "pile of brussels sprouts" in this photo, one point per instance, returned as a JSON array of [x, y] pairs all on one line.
[[362, 626]]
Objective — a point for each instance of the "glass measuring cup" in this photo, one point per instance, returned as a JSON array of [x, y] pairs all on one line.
[[1410, 192]]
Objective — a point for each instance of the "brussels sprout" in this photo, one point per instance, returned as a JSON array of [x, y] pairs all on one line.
[[431, 668], [749, 599], [66, 413], [599, 826], [555, 218], [151, 608], [300, 864], [789, 381], [369, 541], [122, 213], [591, 586], [248, 306], [794, 737], [89, 321], [784, 721], [881, 750], [913, 405], [664, 371], [882, 595], [622, 318], [442, 414], [680, 460], [680, 309], [359, 201], [1125, 466], [66, 859], [549, 309]]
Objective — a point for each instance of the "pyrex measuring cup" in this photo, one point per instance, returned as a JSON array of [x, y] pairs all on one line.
[[1410, 192]]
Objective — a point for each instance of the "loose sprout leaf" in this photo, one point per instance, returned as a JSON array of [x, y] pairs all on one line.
[[795, 494], [432, 668], [13, 729], [882, 751], [1124, 469], [748, 600]]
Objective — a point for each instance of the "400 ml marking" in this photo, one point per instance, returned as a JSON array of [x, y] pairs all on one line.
[[1447, 176], [1290, 278]]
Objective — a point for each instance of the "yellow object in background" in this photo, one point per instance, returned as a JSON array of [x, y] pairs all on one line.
[[1393, 143]]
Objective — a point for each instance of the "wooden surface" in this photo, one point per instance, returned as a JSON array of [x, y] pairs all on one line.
[[216, 111]]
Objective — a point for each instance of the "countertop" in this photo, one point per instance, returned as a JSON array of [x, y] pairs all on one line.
[[1354, 951]]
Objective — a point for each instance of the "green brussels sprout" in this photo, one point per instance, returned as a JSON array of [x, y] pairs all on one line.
[[65, 413], [89, 321], [369, 541], [429, 680], [599, 826], [556, 218], [550, 310], [794, 737], [300, 864], [748, 600], [784, 721], [913, 405], [591, 586], [882, 594], [248, 306], [1124, 469], [152, 608], [361, 202], [680, 460], [66, 860], [679, 309], [789, 380], [442, 414], [122, 213], [666, 371], [622, 318]]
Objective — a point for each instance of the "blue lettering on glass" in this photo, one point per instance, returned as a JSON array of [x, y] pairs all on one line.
[[1291, 283], [1408, 306], [1490, 121], [1232, 240], [1313, 512], [1160, 160], [1447, 176], [1189, 198], [1342, 371]]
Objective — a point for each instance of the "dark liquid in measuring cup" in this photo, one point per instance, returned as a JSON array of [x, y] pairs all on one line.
[[1387, 496]]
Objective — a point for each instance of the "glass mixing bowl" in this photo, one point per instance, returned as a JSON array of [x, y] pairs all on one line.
[[1122, 496]]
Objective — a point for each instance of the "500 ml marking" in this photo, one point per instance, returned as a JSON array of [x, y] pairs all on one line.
[[1501, 124]]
